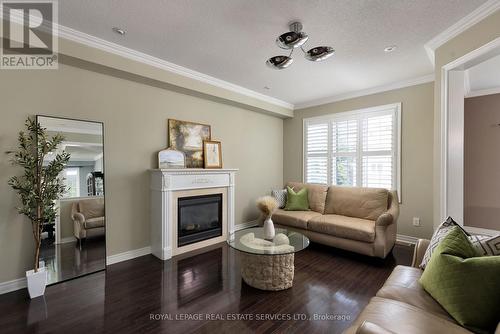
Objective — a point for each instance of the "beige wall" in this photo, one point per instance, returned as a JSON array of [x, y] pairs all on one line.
[[478, 35], [135, 119], [482, 162], [417, 132]]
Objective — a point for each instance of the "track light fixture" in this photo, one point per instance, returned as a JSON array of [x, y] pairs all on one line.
[[293, 39]]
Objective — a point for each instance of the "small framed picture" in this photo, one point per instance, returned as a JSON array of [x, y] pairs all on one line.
[[212, 154], [171, 159]]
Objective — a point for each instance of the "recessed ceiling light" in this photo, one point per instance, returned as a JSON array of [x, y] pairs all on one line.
[[390, 48], [119, 31]]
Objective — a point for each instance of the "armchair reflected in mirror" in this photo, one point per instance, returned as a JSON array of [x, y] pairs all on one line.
[[75, 243]]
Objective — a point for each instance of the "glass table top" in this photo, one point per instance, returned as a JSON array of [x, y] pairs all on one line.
[[251, 240]]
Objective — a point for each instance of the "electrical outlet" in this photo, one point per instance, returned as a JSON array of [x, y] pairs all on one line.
[[416, 221]]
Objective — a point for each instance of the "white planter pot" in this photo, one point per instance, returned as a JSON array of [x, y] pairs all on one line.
[[268, 229], [36, 282]]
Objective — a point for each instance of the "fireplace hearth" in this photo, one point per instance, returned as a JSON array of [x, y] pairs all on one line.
[[199, 218]]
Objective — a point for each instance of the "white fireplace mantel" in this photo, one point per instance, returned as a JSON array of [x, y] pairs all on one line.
[[167, 185]]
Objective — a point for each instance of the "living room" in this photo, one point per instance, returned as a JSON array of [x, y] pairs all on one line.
[[261, 167]]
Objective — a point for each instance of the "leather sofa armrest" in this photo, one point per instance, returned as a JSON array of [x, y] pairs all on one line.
[[78, 217], [384, 219], [419, 251], [370, 328], [392, 213]]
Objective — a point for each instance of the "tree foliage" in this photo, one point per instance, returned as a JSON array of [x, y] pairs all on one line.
[[40, 185]]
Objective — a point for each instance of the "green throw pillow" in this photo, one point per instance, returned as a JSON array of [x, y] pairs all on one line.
[[296, 201], [465, 284]]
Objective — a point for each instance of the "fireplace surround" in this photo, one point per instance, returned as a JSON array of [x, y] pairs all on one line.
[[173, 194]]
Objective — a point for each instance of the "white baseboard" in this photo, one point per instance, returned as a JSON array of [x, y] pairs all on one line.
[[15, 284], [406, 240], [129, 255], [249, 224]]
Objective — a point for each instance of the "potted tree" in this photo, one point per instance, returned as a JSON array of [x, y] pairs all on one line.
[[39, 187]]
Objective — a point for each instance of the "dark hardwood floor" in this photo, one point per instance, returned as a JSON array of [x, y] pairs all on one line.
[[202, 292]]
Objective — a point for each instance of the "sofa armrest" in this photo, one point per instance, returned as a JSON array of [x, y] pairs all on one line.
[[391, 215], [78, 217], [370, 328], [419, 251]]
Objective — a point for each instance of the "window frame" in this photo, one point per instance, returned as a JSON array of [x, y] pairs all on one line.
[[393, 108]]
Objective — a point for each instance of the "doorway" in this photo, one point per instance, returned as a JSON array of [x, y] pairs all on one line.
[[470, 136]]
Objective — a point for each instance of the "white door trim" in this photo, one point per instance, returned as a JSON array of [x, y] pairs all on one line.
[[470, 59]]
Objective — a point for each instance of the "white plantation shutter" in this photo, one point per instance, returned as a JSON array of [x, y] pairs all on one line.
[[378, 150], [344, 148], [316, 150], [360, 148]]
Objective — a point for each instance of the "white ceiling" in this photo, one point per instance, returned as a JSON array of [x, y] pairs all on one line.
[[231, 39], [485, 76]]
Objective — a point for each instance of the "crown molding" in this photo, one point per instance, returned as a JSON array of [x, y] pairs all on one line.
[[369, 91], [483, 92], [479, 14], [103, 45]]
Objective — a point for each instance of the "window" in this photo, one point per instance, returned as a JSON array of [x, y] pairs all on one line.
[[72, 182], [357, 148]]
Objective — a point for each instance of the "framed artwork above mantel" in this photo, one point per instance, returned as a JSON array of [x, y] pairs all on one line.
[[188, 137], [212, 154]]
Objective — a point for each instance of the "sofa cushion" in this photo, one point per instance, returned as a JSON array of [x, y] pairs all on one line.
[[364, 203], [343, 227], [94, 222], [316, 194], [403, 285], [439, 234], [400, 317], [280, 196], [296, 201], [466, 285], [91, 208], [296, 219]]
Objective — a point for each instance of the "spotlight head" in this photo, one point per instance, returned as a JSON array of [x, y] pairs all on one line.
[[292, 39], [279, 62], [319, 53]]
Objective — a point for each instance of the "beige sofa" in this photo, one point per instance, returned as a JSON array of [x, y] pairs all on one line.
[[361, 220], [403, 306], [88, 217]]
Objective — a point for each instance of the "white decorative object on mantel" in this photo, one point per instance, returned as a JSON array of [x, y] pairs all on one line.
[[167, 185]]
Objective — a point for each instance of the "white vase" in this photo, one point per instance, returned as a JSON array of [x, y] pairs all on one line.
[[268, 229], [36, 282]]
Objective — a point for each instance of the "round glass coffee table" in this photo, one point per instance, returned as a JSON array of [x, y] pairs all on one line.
[[267, 264]]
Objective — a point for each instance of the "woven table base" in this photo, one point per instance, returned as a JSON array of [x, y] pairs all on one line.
[[267, 272]]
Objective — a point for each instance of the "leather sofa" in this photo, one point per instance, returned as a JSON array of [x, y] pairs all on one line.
[[361, 220], [88, 217], [403, 306]]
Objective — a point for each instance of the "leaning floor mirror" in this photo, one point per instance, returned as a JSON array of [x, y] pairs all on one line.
[[75, 243]]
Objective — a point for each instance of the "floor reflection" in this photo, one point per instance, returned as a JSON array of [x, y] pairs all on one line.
[[199, 276], [67, 260]]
